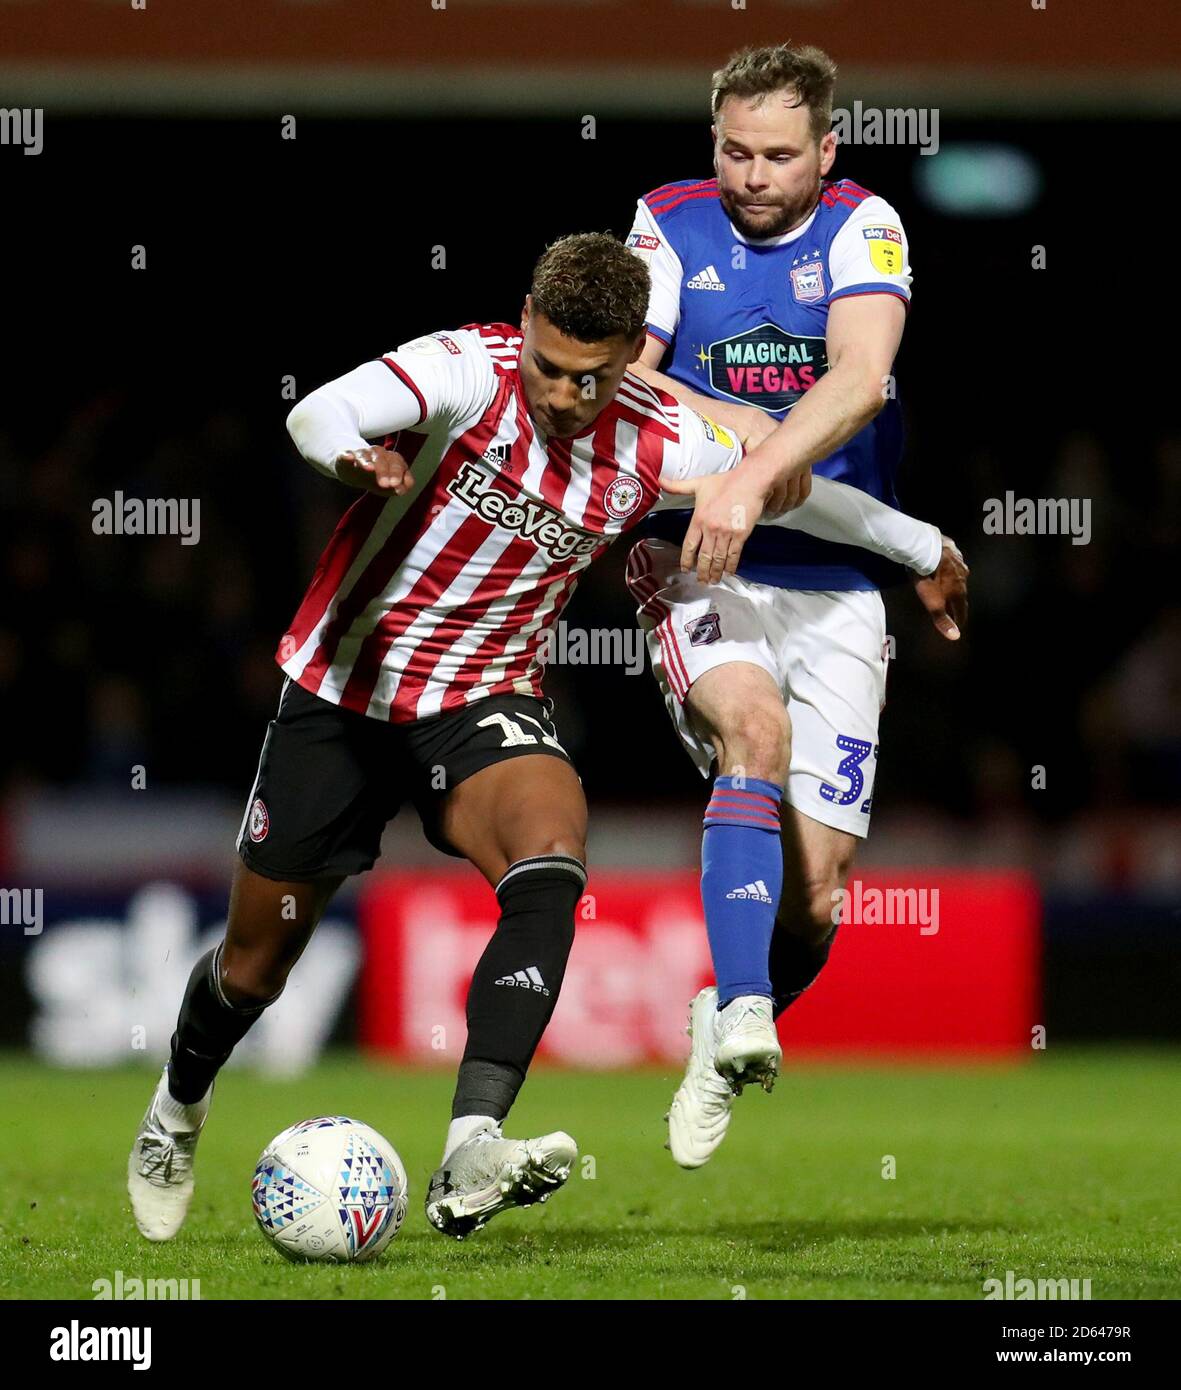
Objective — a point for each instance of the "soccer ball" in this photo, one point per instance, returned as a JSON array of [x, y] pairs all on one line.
[[329, 1189]]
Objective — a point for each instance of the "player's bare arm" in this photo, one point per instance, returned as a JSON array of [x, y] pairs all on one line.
[[748, 423], [751, 425], [863, 335]]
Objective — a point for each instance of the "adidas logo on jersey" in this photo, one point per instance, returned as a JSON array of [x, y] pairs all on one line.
[[753, 892], [706, 279], [526, 979], [497, 454]]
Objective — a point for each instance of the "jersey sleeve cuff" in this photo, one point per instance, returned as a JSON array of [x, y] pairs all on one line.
[[660, 334], [871, 287], [410, 386]]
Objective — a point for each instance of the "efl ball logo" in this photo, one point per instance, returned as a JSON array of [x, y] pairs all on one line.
[[331, 1190], [260, 821], [622, 497]]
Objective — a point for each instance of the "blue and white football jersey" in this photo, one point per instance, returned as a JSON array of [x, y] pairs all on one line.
[[747, 320]]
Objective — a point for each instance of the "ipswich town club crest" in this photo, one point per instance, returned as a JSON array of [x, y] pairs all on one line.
[[704, 630], [260, 821], [807, 282], [622, 497]]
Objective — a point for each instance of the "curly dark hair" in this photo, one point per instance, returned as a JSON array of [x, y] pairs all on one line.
[[591, 287], [757, 72]]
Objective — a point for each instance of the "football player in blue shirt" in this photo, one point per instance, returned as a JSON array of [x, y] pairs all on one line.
[[779, 298]]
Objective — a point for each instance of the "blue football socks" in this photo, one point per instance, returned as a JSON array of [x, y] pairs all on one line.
[[741, 879]]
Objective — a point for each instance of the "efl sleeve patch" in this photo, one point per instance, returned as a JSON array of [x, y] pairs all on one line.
[[885, 249], [704, 447], [431, 344], [714, 431]]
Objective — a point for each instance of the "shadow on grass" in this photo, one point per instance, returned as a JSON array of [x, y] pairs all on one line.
[[671, 1247]]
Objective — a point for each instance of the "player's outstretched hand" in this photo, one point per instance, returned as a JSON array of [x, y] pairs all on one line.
[[726, 512], [944, 594], [378, 470]]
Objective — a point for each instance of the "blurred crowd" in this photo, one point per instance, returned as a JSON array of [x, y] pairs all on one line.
[[118, 652]]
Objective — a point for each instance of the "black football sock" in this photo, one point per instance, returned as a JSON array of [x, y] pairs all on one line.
[[515, 985], [795, 964], [207, 1031]]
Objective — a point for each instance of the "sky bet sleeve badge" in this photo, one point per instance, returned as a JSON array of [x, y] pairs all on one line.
[[885, 248], [716, 434]]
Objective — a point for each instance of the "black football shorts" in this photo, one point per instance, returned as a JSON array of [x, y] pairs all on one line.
[[329, 779]]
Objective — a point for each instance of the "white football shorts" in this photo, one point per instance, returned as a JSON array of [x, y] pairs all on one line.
[[825, 650]]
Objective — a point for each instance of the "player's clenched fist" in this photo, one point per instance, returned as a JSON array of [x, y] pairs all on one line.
[[378, 470]]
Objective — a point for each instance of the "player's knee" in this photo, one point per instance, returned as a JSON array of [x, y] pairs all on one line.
[[757, 742], [252, 978], [562, 844], [825, 894], [813, 913], [823, 911]]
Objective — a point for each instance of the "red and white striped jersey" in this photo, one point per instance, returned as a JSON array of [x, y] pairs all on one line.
[[425, 602]]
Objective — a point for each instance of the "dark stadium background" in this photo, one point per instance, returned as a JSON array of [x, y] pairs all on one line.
[[269, 257], [997, 1097]]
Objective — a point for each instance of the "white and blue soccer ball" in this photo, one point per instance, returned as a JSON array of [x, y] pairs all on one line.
[[329, 1189]]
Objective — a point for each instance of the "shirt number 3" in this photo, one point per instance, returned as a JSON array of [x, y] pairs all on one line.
[[856, 751]]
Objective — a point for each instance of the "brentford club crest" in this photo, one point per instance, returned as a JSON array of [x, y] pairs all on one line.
[[260, 822], [622, 497]]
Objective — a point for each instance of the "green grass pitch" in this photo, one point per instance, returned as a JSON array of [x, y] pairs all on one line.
[[1064, 1167]]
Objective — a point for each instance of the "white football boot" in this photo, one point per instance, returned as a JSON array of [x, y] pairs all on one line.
[[160, 1169], [748, 1046], [488, 1174], [700, 1113]]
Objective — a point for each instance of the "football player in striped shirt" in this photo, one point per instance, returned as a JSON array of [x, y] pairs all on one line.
[[413, 674]]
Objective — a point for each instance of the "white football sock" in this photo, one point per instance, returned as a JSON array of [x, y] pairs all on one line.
[[461, 1130], [179, 1118]]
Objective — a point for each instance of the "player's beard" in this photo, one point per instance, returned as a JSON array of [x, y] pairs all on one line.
[[790, 215]]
